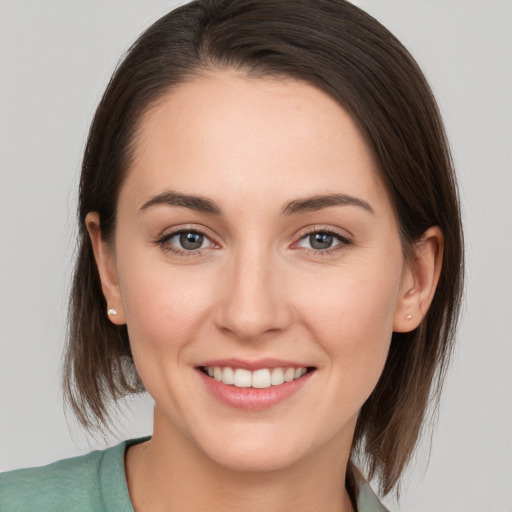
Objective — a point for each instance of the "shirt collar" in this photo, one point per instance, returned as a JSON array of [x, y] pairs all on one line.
[[367, 500]]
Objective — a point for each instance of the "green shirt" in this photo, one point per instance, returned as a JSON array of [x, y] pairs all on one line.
[[93, 483]]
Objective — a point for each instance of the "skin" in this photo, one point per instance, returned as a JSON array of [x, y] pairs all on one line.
[[256, 289]]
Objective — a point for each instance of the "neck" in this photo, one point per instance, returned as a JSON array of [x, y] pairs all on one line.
[[168, 473]]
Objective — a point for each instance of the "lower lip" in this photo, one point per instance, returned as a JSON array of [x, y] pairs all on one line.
[[253, 399]]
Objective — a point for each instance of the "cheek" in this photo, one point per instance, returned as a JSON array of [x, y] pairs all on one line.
[[165, 308], [352, 320], [165, 312]]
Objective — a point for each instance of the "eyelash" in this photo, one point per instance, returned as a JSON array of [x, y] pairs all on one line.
[[163, 242], [343, 242]]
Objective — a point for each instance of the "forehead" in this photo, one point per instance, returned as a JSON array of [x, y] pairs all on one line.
[[251, 135]]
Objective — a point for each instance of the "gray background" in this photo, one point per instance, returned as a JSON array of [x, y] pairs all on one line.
[[55, 60]]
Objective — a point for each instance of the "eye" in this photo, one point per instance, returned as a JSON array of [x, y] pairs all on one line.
[[184, 241], [189, 240], [322, 241]]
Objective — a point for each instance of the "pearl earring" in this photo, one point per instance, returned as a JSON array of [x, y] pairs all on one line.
[[408, 317], [112, 312]]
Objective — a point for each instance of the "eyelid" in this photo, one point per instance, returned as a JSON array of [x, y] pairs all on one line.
[[322, 228], [342, 236], [170, 233], [344, 240]]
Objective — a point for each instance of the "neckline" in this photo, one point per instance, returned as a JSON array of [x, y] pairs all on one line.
[[117, 497]]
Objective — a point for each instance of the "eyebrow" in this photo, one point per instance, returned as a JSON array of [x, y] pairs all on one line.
[[204, 205], [311, 204], [172, 198]]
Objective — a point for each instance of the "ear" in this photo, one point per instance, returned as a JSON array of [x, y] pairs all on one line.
[[420, 281], [105, 261]]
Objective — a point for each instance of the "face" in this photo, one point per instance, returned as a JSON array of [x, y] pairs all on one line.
[[254, 242]]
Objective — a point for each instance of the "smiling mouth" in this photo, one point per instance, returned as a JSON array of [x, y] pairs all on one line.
[[259, 379]]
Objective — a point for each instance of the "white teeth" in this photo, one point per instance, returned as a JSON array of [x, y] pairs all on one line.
[[299, 372], [228, 375], [242, 378], [263, 378], [289, 374], [277, 377]]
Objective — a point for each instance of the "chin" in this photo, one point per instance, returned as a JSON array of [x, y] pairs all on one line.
[[257, 447], [253, 459]]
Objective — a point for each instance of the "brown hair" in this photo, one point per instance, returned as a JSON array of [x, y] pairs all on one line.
[[353, 58]]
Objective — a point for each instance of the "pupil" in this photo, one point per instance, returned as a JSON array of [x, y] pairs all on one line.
[[320, 240], [191, 241]]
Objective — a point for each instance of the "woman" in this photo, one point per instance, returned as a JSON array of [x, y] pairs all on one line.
[[270, 245]]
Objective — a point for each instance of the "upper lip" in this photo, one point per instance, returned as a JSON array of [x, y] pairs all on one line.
[[255, 364]]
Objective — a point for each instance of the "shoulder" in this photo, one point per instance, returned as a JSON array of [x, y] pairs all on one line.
[[65, 485], [80, 484]]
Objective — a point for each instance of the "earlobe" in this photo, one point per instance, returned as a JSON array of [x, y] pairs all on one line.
[[105, 261], [420, 281]]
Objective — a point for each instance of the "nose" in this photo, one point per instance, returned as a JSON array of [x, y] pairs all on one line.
[[253, 300]]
